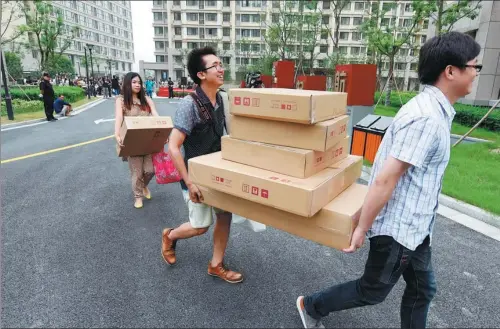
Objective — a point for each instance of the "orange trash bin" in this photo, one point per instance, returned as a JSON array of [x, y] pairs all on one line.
[[367, 136]]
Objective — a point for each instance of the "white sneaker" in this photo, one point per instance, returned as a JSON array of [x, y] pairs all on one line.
[[307, 320]]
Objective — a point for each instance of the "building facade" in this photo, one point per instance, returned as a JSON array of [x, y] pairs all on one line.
[[238, 29], [104, 26], [485, 29]]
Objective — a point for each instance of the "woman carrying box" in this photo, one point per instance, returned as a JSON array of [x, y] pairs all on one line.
[[133, 102]]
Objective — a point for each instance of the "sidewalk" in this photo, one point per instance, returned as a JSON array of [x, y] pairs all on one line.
[[463, 213], [76, 111]]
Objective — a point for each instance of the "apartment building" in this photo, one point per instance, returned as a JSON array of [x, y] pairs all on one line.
[[238, 29], [104, 26]]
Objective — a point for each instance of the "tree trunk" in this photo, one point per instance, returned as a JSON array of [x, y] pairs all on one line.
[[389, 81], [439, 17]]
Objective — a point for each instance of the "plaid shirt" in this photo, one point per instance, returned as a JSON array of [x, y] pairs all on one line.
[[420, 136]]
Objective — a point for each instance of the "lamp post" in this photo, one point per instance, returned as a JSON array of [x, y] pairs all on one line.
[[109, 65], [90, 47], [87, 72], [8, 99]]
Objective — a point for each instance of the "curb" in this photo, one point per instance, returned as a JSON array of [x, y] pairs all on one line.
[[457, 205], [471, 139], [22, 123]]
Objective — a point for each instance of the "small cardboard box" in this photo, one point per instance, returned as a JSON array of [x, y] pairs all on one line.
[[318, 137], [285, 160], [301, 196], [144, 135], [332, 226], [291, 105]]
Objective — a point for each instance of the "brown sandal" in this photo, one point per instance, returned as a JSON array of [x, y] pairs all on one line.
[[224, 273], [168, 247]]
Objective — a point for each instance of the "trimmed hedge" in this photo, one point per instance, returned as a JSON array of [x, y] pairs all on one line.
[[22, 106], [71, 94], [467, 115]]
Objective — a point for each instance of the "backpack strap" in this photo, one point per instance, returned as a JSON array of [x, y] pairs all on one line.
[[205, 113]]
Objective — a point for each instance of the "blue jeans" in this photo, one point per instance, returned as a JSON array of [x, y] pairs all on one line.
[[387, 261]]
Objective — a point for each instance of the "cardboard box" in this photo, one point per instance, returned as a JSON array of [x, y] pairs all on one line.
[[144, 135], [285, 160], [318, 137], [332, 226], [301, 196], [291, 105]]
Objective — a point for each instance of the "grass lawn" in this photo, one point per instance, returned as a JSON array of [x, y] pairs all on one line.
[[39, 114], [473, 174]]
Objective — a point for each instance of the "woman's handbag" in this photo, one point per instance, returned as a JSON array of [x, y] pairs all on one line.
[[165, 170]]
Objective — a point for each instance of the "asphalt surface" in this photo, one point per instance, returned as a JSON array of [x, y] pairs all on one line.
[[75, 253]]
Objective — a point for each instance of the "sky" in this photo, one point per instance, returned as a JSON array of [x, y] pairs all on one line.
[[142, 25]]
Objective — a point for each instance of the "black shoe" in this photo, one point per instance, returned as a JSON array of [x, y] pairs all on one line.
[[53, 119]]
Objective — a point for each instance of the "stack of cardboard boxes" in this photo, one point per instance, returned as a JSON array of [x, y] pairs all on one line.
[[286, 164]]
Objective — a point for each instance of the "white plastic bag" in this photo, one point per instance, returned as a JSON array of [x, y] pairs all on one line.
[[252, 225]]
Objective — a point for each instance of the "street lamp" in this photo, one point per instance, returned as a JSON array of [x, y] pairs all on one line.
[[90, 47], [109, 65], [87, 72]]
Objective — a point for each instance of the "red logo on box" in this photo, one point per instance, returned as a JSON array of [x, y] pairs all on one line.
[[264, 193], [283, 106], [274, 178], [237, 100], [319, 159], [246, 101], [255, 190]]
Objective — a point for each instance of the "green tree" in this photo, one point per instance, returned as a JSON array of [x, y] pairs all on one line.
[[13, 63], [445, 15], [387, 36], [47, 33], [11, 11], [282, 32], [59, 64]]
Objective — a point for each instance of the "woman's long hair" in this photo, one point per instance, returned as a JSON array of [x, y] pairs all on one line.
[[127, 92]]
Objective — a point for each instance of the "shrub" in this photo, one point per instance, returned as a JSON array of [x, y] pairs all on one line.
[[467, 115], [71, 94], [22, 106]]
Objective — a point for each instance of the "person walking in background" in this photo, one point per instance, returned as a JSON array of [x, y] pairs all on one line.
[[149, 87], [115, 85], [106, 91], [399, 211], [134, 102], [47, 93], [170, 88], [198, 127]]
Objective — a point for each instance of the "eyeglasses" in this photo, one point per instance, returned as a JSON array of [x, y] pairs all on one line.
[[478, 67], [218, 66]]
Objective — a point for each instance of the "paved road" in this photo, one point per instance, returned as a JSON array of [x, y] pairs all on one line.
[[75, 253]]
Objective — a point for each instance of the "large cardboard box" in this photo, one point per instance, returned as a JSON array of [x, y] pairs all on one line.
[[332, 226], [318, 137], [291, 105], [301, 196], [285, 160], [144, 135]]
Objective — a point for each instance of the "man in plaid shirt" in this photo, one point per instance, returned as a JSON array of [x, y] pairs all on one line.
[[399, 211]]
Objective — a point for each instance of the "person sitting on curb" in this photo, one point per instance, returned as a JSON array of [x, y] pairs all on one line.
[[62, 107]]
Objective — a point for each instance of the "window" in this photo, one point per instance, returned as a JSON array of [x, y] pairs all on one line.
[[408, 8], [324, 35], [211, 17], [356, 36], [387, 6], [345, 20], [426, 24], [356, 21], [123, 66], [358, 6], [227, 3], [178, 44], [276, 4], [403, 52], [256, 47], [326, 4], [343, 50], [158, 3], [192, 31], [413, 66], [158, 30], [226, 31], [226, 17], [178, 30], [177, 16], [325, 19], [210, 3], [157, 16], [178, 59], [211, 32], [423, 38], [275, 18], [192, 17], [177, 2], [226, 60], [159, 45], [192, 3], [400, 66], [160, 58], [323, 49], [192, 45], [321, 63], [344, 35], [385, 22], [355, 50], [226, 46]]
